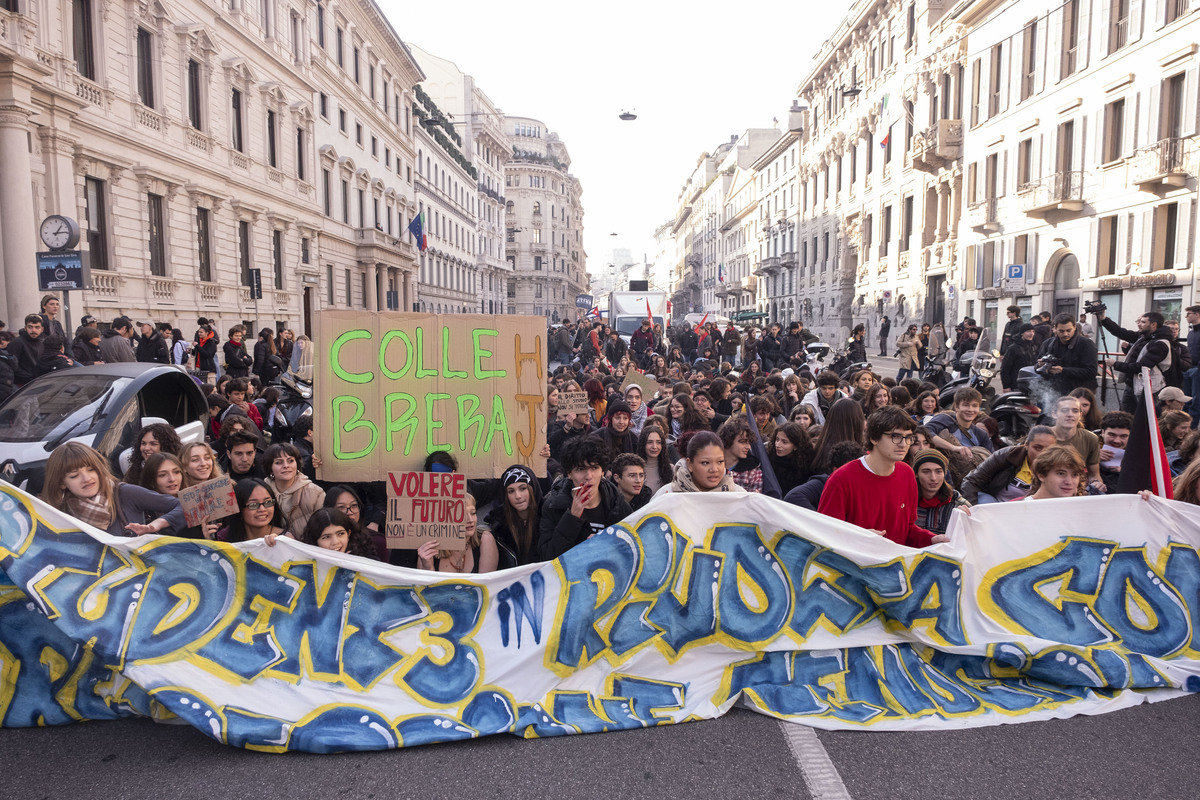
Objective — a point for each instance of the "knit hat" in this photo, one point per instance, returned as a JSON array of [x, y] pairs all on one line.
[[930, 456], [619, 407], [516, 474], [1025, 326]]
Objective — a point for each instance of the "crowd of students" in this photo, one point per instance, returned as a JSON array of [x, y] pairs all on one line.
[[870, 450]]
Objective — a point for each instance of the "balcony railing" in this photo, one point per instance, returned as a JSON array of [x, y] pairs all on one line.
[[788, 260], [984, 215], [1060, 191], [770, 264], [937, 145], [1162, 163]]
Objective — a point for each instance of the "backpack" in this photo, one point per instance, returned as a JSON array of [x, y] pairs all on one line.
[[1181, 362], [180, 353]]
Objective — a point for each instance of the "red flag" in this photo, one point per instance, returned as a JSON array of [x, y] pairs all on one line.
[[1144, 465], [650, 314]]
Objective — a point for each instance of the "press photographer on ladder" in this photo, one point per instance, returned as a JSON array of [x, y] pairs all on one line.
[[1150, 346]]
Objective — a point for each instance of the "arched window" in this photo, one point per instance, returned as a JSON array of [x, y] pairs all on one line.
[[537, 207], [1067, 275]]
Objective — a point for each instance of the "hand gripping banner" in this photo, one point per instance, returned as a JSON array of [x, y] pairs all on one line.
[[1033, 610]]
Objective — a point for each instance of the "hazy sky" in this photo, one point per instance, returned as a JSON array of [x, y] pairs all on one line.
[[696, 73]]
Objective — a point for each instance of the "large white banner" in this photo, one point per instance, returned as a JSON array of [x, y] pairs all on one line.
[[1033, 610]]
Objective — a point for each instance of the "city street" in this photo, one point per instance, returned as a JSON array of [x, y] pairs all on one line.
[[1144, 752]]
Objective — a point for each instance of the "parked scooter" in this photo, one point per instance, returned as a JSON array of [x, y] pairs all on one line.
[[976, 369], [295, 401]]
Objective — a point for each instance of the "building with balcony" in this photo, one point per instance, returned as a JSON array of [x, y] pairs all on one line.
[[191, 143], [879, 169], [777, 268], [1080, 155], [544, 223], [481, 126]]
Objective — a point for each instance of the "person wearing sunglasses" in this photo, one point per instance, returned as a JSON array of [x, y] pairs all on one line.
[[259, 516], [879, 491]]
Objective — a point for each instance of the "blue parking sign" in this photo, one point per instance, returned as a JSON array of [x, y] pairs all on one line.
[[1015, 272]]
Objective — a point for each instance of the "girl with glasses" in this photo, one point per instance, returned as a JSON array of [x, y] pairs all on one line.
[[259, 515]]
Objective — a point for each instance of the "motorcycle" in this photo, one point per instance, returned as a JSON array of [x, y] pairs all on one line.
[[935, 371], [814, 359], [976, 369], [295, 401]]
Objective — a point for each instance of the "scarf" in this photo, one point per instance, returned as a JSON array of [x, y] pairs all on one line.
[[92, 510], [637, 419], [685, 483]]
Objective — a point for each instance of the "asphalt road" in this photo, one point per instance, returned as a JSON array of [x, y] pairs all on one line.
[[1146, 752]]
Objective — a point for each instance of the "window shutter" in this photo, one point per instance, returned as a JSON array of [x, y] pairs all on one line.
[[1099, 129], [1079, 143], [1031, 270], [1151, 127], [1054, 46], [1129, 137], [985, 87], [1002, 178], [1085, 28], [1183, 234], [1189, 102], [1035, 158], [1006, 81], [1091, 265], [1135, 19], [1129, 230], [1042, 31], [1121, 257], [1147, 241], [1104, 29]]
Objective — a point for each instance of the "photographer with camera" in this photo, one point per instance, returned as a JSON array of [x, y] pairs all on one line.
[[1150, 346], [1068, 358]]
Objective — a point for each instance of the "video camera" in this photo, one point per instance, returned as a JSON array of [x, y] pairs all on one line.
[[1045, 363], [1094, 307]]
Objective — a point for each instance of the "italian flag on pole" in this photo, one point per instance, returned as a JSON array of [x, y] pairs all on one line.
[[1144, 465]]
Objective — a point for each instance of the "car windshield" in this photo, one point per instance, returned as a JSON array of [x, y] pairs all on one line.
[[58, 407]]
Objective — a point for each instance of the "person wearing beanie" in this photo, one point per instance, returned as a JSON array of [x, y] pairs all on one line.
[[1021, 352], [936, 499], [617, 436]]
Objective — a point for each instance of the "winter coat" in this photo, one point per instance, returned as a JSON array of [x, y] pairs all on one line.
[[1078, 360], [1010, 335], [298, 502], [153, 349], [237, 360], [85, 353], [749, 349], [560, 530], [907, 345], [1147, 350], [7, 381], [731, 342], [1020, 354], [115, 348], [206, 354], [52, 362], [808, 494], [771, 348], [25, 352], [994, 474]]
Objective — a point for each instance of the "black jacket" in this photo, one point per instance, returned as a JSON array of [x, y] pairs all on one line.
[[7, 384], [560, 434], [1078, 360], [1020, 354], [52, 362], [1193, 344], [1146, 349], [560, 530], [808, 494], [26, 352], [85, 353], [237, 360], [206, 355], [1010, 335], [770, 348], [614, 443], [994, 474], [153, 349]]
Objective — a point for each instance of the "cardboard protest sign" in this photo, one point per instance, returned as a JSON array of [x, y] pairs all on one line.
[[208, 501], [392, 388], [572, 403], [426, 505], [648, 383]]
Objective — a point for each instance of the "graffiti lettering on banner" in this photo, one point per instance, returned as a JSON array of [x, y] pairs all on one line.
[[393, 387], [572, 403], [426, 505], [208, 501]]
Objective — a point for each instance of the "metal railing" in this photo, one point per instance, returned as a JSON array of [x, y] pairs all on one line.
[[1165, 157], [1056, 188]]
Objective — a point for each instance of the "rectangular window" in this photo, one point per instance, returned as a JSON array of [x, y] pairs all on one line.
[[358, 133], [342, 120], [1114, 130], [204, 243], [362, 209], [1118, 24], [996, 84], [265, 20], [910, 34], [244, 250], [1024, 164], [97, 228], [976, 90], [193, 79], [329, 284], [1028, 59], [158, 239], [1170, 124], [145, 67], [323, 105], [374, 147], [300, 155], [371, 81], [885, 235], [277, 256], [1166, 231], [1175, 10], [906, 224], [272, 139], [1107, 247], [327, 192], [1070, 38], [346, 202], [357, 67], [236, 122], [1066, 146], [537, 263], [85, 53], [349, 291], [339, 43], [320, 25]]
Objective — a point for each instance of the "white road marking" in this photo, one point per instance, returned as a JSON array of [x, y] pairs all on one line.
[[820, 775]]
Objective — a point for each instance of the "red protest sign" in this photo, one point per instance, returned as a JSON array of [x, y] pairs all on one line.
[[426, 505], [208, 501]]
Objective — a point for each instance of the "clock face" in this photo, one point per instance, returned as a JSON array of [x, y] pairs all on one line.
[[59, 232]]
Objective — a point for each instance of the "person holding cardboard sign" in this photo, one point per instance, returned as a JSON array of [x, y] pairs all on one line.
[[163, 473]]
